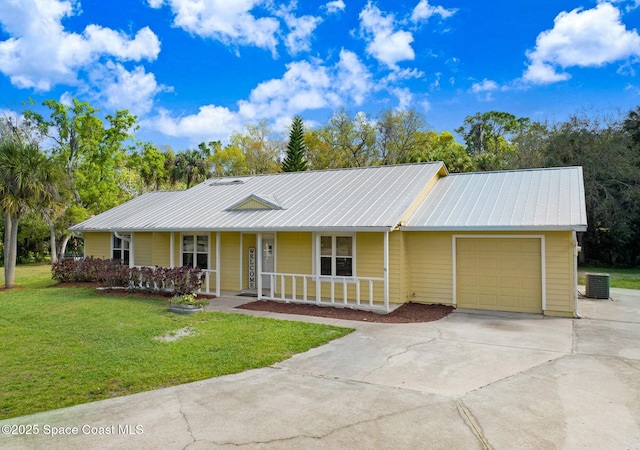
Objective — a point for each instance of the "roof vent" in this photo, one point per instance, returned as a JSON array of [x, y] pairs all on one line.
[[597, 285], [226, 182]]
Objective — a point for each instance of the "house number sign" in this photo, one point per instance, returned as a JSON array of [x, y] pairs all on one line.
[[252, 268]]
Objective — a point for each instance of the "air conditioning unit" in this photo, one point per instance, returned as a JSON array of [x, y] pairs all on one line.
[[597, 285]]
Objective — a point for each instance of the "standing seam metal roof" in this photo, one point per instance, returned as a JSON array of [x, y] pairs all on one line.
[[372, 198], [549, 199]]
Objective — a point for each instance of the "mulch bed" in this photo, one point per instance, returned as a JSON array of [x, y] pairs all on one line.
[[407, 313]]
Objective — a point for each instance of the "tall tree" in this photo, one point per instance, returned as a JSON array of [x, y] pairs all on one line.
[[488, 137], [260, 149], [295, 159], [442, 147], [612, 184], [93, 157], [28, 180], [398, 138]]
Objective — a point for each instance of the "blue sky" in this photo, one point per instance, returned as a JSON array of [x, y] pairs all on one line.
[[198, 70]]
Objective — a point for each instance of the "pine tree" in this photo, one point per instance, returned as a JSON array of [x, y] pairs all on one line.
[[295, 161]]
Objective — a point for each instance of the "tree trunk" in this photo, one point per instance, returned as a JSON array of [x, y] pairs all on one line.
[[52, 241], [63, 247], [10, 249]]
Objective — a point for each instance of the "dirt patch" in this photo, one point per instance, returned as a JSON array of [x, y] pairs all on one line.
[[173, 336], [407, 313]]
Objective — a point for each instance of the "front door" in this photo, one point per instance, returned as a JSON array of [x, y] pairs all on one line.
[[268, 261]]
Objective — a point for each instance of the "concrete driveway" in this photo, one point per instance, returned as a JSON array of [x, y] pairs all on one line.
[[499, 381]]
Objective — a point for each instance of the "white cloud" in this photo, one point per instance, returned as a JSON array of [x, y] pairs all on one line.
[[335, 6], [211, 122], [384, 43], [122, 89], [581, 38], [302, 28], [305, 86], [353, 80], [405, 98], [423, 11], [230, 22], [40, 53], [485, 85]]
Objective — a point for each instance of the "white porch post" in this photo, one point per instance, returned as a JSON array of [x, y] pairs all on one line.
[[386, 271], [171, 250], [218, 264], [132, 256], [259, 264]]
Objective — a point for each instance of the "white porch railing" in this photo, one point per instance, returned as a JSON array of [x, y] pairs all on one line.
[[207, 285], [204, 289], [352, 292]]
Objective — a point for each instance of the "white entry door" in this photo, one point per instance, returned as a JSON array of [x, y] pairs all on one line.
[[268, 261]]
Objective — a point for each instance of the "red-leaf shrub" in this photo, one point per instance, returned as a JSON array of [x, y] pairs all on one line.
[[114, 273]]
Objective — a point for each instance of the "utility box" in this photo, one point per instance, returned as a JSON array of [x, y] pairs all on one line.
[[597, 285]]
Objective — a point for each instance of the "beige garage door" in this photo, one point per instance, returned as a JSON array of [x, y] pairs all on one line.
[[502, 274]]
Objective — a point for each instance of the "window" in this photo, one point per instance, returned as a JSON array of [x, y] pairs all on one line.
[[121, 248], [195, 251], [336, 256]]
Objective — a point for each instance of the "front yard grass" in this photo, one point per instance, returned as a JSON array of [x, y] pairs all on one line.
[[618, 278], [62, 346]]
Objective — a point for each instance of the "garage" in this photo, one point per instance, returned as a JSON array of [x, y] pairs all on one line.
[[499, 273]]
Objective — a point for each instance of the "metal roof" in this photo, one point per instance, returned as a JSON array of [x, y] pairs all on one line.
[[545, 199], [372, 198]]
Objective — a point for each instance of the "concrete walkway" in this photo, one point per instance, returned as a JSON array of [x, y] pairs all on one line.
[[501, 381]]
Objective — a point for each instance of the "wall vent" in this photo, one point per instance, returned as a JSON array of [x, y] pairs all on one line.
[[597, 285]]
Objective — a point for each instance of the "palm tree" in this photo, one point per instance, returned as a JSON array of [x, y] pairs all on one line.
[[28, 180]]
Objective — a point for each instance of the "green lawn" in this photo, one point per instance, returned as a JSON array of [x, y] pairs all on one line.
[[619, 278], [65, 346]]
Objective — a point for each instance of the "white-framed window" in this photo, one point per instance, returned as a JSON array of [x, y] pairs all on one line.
[[195, 251], [336, 256], [120, 248]]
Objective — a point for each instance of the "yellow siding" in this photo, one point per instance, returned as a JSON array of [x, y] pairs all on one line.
[[397, 273], [430, 267], [294, 253], [230, 261], [97, 245], [161, 250], [369, 263], [143, 249], [560, 273]]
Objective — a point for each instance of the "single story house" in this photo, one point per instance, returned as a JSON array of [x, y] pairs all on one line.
[[367, 238]]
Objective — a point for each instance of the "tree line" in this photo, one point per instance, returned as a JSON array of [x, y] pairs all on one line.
[[64, 166]]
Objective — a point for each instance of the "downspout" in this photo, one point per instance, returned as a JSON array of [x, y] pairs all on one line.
[[386, 271], [576, 250]]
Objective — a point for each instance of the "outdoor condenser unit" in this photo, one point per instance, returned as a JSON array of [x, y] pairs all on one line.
[[597, 285]]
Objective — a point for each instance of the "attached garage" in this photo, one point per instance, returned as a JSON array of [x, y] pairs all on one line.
[[499, 273], [500, 241]]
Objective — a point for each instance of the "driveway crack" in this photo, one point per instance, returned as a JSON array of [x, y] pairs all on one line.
[[395, 355], [186, 421], [472, 422], [328, 433]]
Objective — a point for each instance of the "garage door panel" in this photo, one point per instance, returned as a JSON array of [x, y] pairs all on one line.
[[509, 301], [499, 274], [509, 283], [487, 300], [488, 282]]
